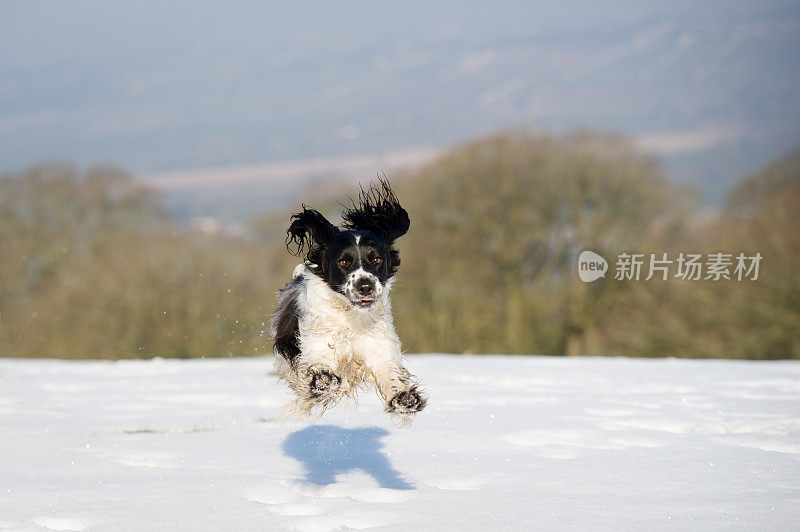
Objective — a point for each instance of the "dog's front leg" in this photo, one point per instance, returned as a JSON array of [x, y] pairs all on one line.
[[398, 388], [316, 381]]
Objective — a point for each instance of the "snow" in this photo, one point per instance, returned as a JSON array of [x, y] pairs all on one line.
[[506, 442]]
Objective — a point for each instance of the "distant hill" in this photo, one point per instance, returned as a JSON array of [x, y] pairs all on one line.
[[712, 87]]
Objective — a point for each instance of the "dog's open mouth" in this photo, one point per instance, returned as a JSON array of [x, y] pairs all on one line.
[[364, 303]]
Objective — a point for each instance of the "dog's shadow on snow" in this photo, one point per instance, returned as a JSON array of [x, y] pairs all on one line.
[[327, 451]]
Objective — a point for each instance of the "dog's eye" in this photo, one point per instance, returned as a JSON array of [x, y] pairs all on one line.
[[377, 261], [344, 263]]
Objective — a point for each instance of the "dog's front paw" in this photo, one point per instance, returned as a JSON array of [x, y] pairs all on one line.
[[323, 382], [407, 402]]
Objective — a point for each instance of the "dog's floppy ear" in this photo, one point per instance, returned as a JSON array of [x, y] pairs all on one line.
[[379, 211], [309, 229]]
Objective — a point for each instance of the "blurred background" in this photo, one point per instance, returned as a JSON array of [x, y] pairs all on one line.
[[152, 153]]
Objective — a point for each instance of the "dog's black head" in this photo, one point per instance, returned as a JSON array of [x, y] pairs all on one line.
[[358, 260]]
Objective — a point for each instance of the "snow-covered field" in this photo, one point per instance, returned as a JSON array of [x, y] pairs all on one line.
[[506, 443]]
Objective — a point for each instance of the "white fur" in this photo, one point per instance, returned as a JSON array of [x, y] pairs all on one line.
[[356, 344]]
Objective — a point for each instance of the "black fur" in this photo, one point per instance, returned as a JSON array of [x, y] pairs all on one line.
[[377, 219], [379, 211], [286, 334], [310, 229]]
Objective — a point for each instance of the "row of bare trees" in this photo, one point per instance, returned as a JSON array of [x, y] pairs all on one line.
[[91, 265], [491, 262]]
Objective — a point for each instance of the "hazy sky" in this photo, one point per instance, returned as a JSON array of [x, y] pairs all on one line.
[[158, 86]]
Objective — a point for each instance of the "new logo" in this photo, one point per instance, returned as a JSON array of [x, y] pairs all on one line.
[[591, 266]]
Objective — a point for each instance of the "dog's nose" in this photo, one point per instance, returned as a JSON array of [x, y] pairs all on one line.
[[365, 287]]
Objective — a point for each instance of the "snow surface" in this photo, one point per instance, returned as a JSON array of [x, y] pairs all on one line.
[[506, 442]]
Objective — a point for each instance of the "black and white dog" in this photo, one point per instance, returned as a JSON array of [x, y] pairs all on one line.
[[333, 329]]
